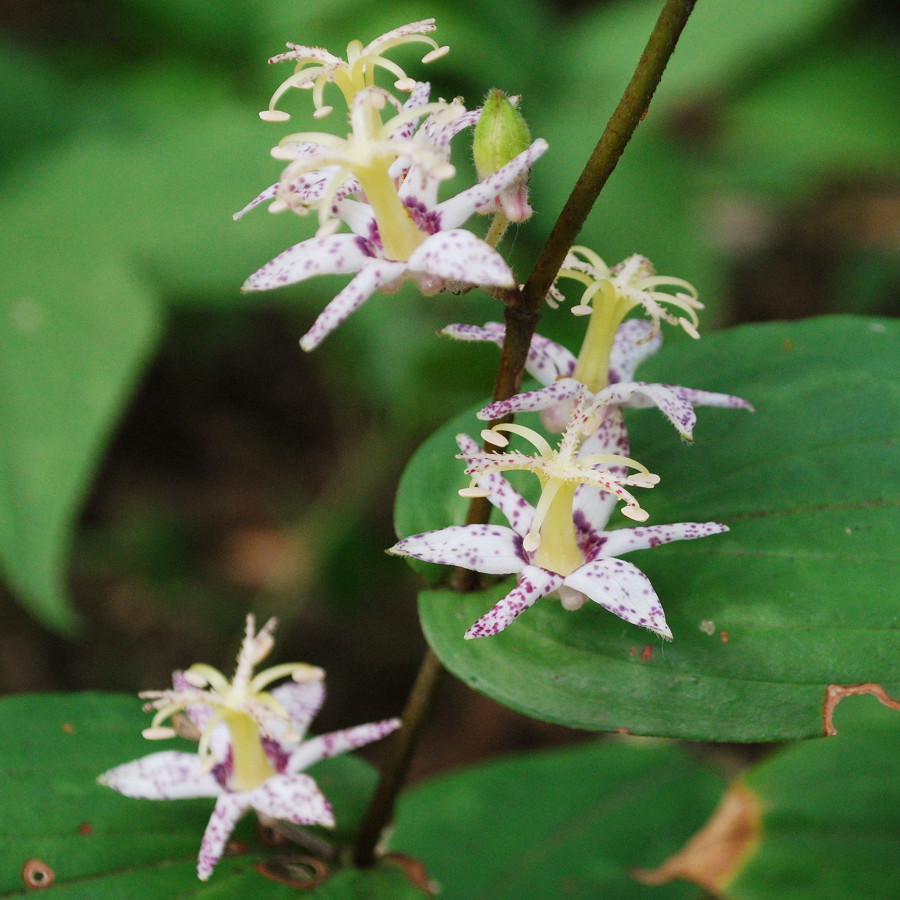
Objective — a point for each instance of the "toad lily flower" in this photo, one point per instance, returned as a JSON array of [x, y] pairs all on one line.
[[559, 546], [251, 752], [558, 370], [420, 241]]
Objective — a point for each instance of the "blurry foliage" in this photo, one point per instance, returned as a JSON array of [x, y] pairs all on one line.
[[763, 173]]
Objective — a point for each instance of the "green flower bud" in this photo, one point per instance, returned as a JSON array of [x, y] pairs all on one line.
[[500, 134]]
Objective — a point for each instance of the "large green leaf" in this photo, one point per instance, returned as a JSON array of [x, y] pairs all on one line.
[[95, 238], [830, 829], [69, 354], [816, 821], [800, 593], [102, 845], [831, 114], [567, 823]]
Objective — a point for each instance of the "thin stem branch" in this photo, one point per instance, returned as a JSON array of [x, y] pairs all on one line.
[[393, 775], [522, 315], [621, 126]]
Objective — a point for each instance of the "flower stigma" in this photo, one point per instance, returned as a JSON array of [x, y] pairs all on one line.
[[316, 67], [366, 155]]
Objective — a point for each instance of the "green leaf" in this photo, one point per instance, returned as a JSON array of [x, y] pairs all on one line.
[[798, 595], [95, 238], [566, 823], [830, 829], [70, 351], [103, 845], [831, 114], [816, 821]]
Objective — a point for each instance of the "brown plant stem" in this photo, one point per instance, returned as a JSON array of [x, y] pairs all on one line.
[[521, 315], [381, 806], [621, 126]]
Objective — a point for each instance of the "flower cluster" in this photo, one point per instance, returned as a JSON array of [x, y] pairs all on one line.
[[560, 545], [381, 180], [251, 751]]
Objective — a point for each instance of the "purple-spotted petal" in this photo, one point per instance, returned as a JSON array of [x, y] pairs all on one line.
[[336, 254], [547, 361], [534, 583], [372, 275], [640, 394], [356, 215], [557, 393], [592, 507], [625, 540], [624, 590], [634, 342], [296, 798], [459, 255], [490, 331], [337, 742], [267, 194], [229, 808], [710, 398], [490, 549], [168, 775], [518, 511], [453, 212], [301, 701]]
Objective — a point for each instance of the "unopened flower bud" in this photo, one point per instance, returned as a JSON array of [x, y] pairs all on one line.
[[501, 134]]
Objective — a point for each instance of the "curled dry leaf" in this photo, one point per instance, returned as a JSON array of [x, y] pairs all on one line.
[[834, 693], [713, 856]]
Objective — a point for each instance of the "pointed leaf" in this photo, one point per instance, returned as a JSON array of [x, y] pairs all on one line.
[[102, 845], [797, 595], [566, 823]]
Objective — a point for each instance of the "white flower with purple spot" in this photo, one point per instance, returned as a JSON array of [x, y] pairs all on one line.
[[559, 546], [558, 370], [427, 246], [251, 752]]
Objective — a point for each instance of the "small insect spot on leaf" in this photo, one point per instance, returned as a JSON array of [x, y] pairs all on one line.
[[707, 626], [68, 728], [723, 635], [37, 874], [270, 837], [85, 828], [632, 651], [647, 654], [623, 730], [788, 345]]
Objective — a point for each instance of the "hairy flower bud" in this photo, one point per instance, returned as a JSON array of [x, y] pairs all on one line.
[[500, 135]]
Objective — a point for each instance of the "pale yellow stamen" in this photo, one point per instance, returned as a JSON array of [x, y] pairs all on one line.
[[610, 294], [552, 537], [241, 704]]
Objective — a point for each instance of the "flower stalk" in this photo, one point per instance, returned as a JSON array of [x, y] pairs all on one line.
[[522, 313]]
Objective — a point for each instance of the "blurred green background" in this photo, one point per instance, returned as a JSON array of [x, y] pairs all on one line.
[[170, 459]]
